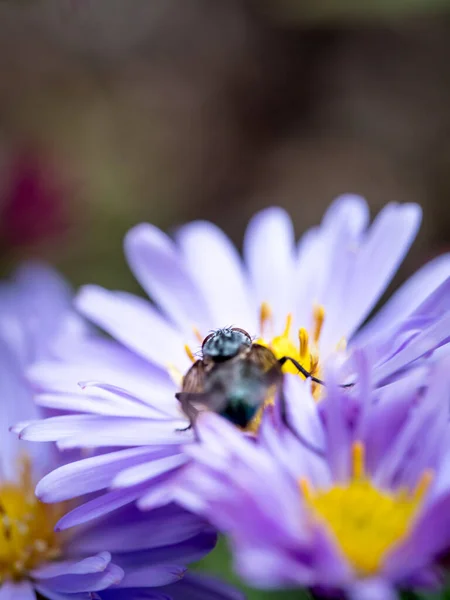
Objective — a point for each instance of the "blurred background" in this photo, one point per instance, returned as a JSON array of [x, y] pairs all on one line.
[[119, 111]]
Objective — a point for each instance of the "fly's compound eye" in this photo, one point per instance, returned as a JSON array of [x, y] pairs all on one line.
[[223, 344], [207, 338], [244, 333]]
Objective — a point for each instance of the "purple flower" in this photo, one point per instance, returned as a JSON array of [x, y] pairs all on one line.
[[128, 553], [366, 515], [306, 301], [323, 288], [37, 315]]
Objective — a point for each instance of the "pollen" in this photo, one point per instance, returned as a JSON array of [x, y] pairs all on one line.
[[197, 334], [175, 374], [189, 352], [366, 522], [305, 350], [27, 536], [319, 317], [265, 319]]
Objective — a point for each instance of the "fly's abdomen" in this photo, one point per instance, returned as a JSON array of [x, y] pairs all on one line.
[[237, 391], [238, 410]]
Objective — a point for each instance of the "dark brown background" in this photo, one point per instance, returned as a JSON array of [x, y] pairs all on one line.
[[120, 111]]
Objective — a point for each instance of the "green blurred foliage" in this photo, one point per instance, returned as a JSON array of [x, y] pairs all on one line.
[[219, 563]]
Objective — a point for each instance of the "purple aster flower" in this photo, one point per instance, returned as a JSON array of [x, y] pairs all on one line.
[[306, 301], [37, 314], [128, 553], [367, 516]]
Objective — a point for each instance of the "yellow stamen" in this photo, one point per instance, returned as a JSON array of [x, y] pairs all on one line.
[[342, 344], [365, 521], [265, 316], [198, 335], [287, 327], [318, 317], [358, 459], [314, 363], [305, 353], [303, 338], [305, 489], [189, 353], [27, 536], [423, 485], [175, 374]]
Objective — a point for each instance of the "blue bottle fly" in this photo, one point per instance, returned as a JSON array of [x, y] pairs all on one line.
[[232, 378]]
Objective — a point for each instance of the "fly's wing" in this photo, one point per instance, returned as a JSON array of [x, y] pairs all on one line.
[[266, 362], [192, 394], [194, 380], [271, 377]]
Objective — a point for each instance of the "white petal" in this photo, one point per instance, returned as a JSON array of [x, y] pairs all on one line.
[[408, 297], [155, 262], [386, 244], [217, 269], [135, 323], [269, 252]]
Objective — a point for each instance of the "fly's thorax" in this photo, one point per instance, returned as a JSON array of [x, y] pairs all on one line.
[[213, 363], [235, 378], [239, 388]]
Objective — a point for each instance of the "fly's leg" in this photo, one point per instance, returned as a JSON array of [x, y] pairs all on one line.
[[188, 408], [274, 377], [301, 369], [307, 374], [190, 426], [285, 420], [186, 400]]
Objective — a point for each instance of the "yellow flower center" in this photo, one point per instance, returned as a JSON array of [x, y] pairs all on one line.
[[366, 522], [305, 350], [27, 536]]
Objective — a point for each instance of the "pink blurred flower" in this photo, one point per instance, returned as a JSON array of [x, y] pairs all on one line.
[[34, 205]]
